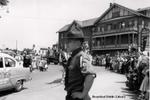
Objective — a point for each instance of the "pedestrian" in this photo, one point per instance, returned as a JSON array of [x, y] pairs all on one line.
[[79, 75], [143, 62], [144, 87], [63, 57], [107, 61]]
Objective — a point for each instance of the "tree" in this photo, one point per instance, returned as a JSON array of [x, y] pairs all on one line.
[[3, 2]]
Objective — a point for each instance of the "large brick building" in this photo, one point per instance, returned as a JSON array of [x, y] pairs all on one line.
[[117, 29], [84, 26]]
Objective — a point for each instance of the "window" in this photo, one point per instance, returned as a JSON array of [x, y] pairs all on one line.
[[110, 40], [1, 62], [122, 25], [109, 26], [114, 26], [124, 39], [102, 29], [99, 29], [94, 29], [115, 14], [131, 23], [62, 35], [127, 24], [9, 62], [105, 28]]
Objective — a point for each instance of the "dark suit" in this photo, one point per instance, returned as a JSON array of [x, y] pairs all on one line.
[[76, 73]]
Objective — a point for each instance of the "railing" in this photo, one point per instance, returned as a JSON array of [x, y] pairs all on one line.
[[109, 46], [118, 46], [116, 31]]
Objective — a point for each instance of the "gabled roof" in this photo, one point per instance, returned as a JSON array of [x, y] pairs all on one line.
[[65, 28], [89, 22], [120, 6], [82, 24], [79, 23]]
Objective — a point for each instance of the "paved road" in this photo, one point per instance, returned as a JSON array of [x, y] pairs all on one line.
[[46, 86], [42, 86], [110, 86]]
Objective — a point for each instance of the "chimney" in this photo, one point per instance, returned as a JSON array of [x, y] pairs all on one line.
[[111, 4]]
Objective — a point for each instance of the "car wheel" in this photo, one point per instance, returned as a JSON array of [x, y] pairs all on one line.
[[19, 86]]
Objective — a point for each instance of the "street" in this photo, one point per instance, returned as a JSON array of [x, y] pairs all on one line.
[[46, 86]]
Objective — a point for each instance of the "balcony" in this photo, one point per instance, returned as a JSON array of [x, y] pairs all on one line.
[[110, 47], [97, 33], [116, 31]]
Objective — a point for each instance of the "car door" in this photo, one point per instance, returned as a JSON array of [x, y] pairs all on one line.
[[10, 70], [4, 81]]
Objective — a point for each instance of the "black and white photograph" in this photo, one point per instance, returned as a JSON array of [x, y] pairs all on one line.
[[74, 49]]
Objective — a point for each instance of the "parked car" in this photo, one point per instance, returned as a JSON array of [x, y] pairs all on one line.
[[12, 73]]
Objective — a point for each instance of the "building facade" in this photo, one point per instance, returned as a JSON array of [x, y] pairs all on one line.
[[117, 29], [84, 27]]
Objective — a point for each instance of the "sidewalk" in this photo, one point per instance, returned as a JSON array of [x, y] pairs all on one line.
[[110, 86]]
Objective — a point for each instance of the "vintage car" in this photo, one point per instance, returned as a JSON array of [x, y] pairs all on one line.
[[12, 73]]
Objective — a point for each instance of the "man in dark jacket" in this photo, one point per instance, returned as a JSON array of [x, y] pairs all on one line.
[[79, 75], [107, 61]]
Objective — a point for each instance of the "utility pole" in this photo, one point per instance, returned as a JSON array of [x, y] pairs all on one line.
[[16, 46]]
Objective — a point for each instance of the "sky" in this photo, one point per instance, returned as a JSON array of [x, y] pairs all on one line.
[[36, 22]]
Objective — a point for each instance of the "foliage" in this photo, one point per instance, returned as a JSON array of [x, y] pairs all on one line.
[[3, 2]]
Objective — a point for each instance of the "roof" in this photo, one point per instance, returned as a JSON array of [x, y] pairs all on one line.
[[82, 24], [6, 55], [142, 9], [90, 22], [120, 6], [64, 28], [9, 52], [43, 48]]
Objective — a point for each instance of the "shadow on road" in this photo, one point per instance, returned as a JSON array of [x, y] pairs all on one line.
[[55, 81], [8, 92], [132, 94]]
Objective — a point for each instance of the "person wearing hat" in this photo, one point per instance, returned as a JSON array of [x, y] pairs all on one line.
[[79, 75]]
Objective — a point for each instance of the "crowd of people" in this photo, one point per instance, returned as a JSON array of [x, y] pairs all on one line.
[[134, 65], [135, 68], [31, 61]]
